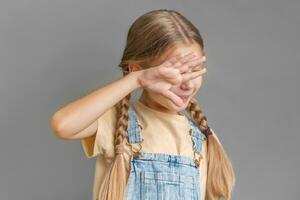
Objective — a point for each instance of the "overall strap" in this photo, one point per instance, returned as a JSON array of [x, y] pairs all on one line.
[[197, 136], [134, 127]]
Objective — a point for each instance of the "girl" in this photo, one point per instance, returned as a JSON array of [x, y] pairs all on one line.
[[149, 148]]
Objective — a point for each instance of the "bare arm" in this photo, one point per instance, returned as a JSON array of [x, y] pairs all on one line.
[[78, 119]]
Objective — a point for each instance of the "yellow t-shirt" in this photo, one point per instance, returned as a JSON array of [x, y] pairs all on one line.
[[162, 132]]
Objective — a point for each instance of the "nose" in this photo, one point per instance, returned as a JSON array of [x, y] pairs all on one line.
[[186, 85]]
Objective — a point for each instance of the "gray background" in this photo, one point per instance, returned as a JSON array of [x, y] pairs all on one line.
[[53, 52]]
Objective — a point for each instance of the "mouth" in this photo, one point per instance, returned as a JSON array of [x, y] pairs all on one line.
[[184, 97]]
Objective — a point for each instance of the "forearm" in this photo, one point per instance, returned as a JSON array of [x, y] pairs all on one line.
[[79, 114]]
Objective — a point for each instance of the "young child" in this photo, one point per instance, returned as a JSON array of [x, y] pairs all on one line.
[[149, 149]]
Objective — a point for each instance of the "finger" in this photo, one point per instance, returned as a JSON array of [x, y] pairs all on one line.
[[188, 57], [192, 75], [198, 67], [191, 57], [178, 60], [178, 57], [184, 69], [182, 64], [168, 72], [173, 97], [175, 58], [193, 64], [179, 63], [170, 75]]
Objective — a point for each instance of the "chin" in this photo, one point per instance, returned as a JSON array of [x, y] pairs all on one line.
[[176, 108], [170, 105]]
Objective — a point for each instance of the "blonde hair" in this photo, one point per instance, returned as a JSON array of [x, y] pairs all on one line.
[[148, 37]]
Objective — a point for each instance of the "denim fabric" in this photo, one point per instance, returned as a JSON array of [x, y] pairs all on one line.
[[133, 128], [197, 136], [159, 176]]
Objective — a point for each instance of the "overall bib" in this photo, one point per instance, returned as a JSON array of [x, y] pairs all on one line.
[[159, 176]]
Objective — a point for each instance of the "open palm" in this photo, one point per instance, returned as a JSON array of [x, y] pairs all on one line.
[[172, 72]]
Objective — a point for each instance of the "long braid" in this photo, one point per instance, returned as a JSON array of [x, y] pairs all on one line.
[[220, 174], [115, 181], [197, 114], [142, 46]]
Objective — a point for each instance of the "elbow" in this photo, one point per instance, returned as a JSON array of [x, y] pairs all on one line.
[[56, 125]]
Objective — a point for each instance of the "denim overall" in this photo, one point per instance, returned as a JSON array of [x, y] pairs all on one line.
[[159, 176]]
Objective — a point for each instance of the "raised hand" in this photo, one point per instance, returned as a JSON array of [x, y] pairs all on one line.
[[172, 72]]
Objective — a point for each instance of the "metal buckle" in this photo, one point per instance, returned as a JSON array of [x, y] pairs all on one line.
[[136, 154], [198, 160]]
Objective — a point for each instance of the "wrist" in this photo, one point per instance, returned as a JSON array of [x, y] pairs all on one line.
[[134, 79]]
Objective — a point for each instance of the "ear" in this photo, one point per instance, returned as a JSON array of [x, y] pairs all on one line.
[[134, 67]]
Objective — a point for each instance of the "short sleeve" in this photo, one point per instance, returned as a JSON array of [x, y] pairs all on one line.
[[102, 141]]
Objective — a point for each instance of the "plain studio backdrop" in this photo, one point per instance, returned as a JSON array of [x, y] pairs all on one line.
[[53, 52]]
